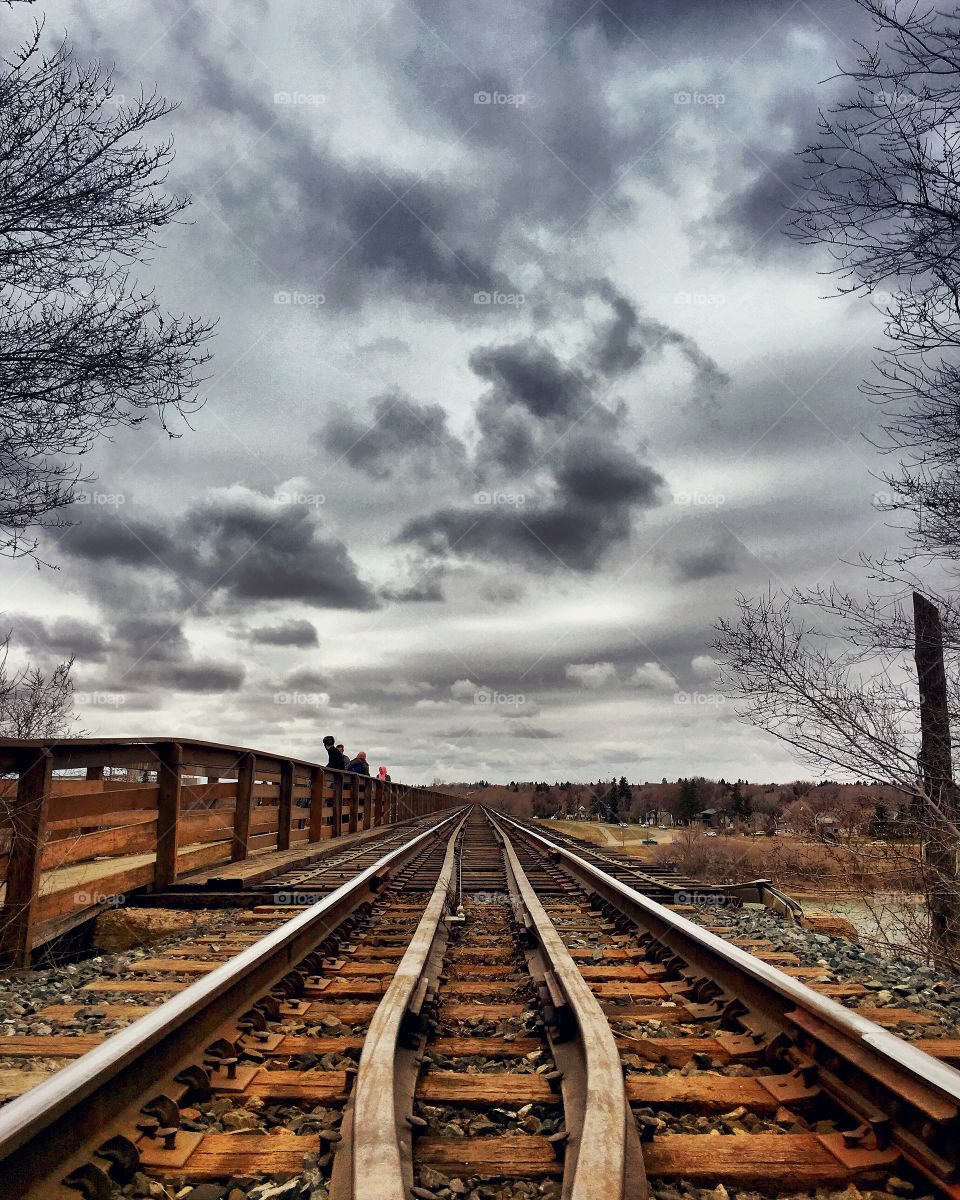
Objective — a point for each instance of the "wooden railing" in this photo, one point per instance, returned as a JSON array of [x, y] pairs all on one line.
[[161, 808]]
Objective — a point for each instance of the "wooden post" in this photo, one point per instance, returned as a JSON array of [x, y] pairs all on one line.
[[379, 789], [317, 787], [27, 836], [244, 811], [337, 803], [943, 815], [169, 770], [354, 780], [94, 773], [285, 805]]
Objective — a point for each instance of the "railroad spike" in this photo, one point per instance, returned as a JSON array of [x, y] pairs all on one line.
[[123, 1157], [91, 1181]]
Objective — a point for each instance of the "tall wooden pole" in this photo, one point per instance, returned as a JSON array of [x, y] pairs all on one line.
[[936, 768]]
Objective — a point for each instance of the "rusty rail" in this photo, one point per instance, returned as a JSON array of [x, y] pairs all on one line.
[[78, 1108], [900, 1094]]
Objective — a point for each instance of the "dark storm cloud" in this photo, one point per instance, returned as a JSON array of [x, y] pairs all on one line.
[[285, 633], [154, 653], [307, 679], [541, 412], [62, 636], [630, 337], [701, 550], [529, 374], [398, 428], [238, 547]]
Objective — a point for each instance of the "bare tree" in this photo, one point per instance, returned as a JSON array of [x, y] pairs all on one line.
[[884, 195], [83, 349], [35, 703], [832, 676]]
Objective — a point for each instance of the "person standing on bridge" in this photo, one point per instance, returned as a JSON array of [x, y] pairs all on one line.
[[335, 758], [382, 773], [359, 764]]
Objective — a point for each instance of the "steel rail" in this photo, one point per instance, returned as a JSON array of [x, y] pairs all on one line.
[[603, 1159], [72, 1108], [902, 1072], [380, 1157]]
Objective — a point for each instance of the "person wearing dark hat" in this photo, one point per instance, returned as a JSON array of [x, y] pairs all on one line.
[[335, 758]]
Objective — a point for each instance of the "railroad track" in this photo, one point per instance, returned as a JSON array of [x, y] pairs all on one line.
[[485, 1012]]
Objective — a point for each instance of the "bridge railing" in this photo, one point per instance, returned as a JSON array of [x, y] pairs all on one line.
[[83, 820]]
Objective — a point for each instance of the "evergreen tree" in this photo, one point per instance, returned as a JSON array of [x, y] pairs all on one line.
[[740, 806], [688, 802]]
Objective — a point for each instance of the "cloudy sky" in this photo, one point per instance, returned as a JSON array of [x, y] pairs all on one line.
[[517, 382]]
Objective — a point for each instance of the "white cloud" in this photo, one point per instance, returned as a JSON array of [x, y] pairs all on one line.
[[592, 675], [463, 689], [705, 666], [652, 675]]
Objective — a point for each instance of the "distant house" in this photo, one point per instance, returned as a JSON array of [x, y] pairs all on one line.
[[708, 816]]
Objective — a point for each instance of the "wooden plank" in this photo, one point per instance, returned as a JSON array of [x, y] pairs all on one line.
[[601, 973], [227, 1156], [486, 1047], [946, 1049], [169, 769], [21, 907], [483, 987], [244, 809], [135, 987], [485, 1091], [769, 1162], [346, 988], [349, 1014], [627, 990], [101, 804], [49, 1046], [483, 1012], [895, 1016], [523, 1156], [285, 806], [700, 1093], [132, 838], [14, 1082], [317, 1087], [111, 1012], [317, 814], [675, 1052], [292, 1044], [180, 966]]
